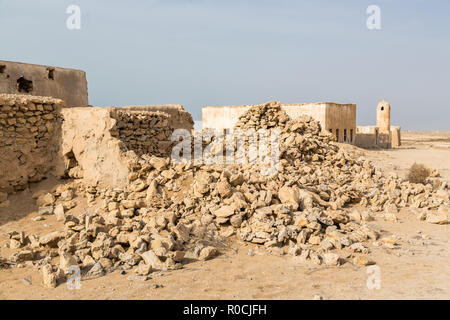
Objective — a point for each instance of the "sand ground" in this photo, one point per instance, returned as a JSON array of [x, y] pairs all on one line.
[[418, 269]]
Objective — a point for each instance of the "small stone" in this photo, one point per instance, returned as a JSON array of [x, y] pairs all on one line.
[[59, 212], [45, 211], [96, 271], [207, 253], [38, 218], [51, 239], [45, 200], [152, 259], [48, 277], [138, 278], [66, 260], [14, 244], [143, 269], [331, 259], [315, 240], [22, 256], [362, 261], [224, 211], [436, 218]]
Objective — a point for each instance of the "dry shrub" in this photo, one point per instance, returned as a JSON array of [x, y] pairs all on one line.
[[418, 173]]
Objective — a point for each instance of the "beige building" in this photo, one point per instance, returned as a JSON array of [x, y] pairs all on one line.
[[22, 78], [339, 119], [383, 135]]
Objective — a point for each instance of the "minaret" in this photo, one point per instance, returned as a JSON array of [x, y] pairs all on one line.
[[384, 116]]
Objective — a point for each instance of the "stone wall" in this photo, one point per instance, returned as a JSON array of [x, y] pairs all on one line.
[[179, 118], [67, 84], [372, 137], [29, 139], [396, 139], [144, 132], [366, 136], [101, 145]]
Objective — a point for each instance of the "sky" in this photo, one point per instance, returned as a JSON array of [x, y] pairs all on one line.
[[233, 52]]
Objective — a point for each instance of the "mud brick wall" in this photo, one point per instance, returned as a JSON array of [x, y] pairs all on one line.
[[144, 132], [29, 139], [179, 118]]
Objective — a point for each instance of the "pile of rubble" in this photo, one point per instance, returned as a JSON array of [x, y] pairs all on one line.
[[316, 206]]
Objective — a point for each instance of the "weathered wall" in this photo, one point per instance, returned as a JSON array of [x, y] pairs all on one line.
[[96, 155], [372, 137], [396, 139], [315, 110], [179, 118], [223, 117], [29, 139], [366, 136], [100, 144], [67, 84], [144, 132], [384, 117]]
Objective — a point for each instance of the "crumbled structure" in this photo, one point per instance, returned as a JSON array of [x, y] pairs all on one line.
[[144, 132], [339, 119], [179, 118], [315, 206], [99, 143], [22, 78], [29, 139], [383, 135]]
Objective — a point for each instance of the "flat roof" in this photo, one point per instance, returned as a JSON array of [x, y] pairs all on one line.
[[39, 65], [285, 104]]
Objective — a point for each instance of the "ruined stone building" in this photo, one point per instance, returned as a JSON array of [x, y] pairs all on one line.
[[383, 135], [68, 85], [339, 119], [41, 134]]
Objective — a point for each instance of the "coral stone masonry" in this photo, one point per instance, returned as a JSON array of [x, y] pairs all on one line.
[[29, 139]]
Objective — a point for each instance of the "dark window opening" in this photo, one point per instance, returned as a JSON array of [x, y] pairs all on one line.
[[351, 135], [337, 135], [51, 74], [331, 130], [24, 85], [382, 108], [345, 135], [2, 68]]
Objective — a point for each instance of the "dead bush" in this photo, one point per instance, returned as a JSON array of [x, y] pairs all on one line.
[[418, 173]]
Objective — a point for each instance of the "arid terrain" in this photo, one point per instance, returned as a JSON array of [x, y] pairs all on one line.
[[415, 269]]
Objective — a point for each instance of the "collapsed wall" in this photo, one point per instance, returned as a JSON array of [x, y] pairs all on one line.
[[179, 118], [100, 144], [315, 206], [29, 139]]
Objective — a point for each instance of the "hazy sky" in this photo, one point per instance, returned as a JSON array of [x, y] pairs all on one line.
[[202, 52]]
